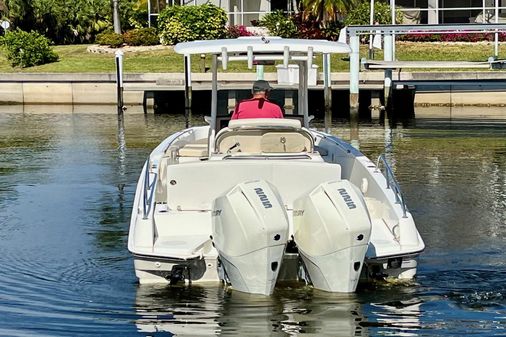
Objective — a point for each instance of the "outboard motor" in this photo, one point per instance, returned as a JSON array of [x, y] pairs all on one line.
[[250, 231], [332, 228]]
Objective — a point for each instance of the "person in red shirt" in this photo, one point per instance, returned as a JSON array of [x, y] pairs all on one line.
[[258, 106]]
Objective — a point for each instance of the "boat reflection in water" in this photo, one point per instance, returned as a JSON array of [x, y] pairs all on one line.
[[190, 311], [217, 310], [401, 318]]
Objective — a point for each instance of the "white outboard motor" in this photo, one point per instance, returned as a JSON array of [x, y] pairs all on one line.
[[250, 232], [332, 230]]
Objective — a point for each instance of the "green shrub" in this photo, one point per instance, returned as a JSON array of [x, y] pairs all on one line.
[[361, 14], [133, 14], [141, 37], [279, 24], [189, 23], [332, 30], [110, 39], [27, 49]]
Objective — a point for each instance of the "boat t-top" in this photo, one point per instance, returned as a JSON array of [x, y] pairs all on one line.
[[255, 202]]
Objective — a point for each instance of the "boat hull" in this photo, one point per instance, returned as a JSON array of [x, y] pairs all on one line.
[[158, 270], [170, 230]]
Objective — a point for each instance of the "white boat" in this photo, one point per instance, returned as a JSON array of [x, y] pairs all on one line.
[[260, 201]]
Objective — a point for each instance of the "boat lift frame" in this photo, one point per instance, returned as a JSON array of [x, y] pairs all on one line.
[[388, 33]]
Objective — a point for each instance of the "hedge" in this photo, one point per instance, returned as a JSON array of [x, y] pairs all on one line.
[[188, 23]]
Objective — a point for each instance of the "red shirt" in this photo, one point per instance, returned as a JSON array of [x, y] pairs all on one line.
[[257, 108]]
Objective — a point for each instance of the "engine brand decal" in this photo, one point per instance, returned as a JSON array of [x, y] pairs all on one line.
[[298, 212], [347, 199], [263, 198]]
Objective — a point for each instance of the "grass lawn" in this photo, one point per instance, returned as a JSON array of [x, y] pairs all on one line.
[[76, 59]]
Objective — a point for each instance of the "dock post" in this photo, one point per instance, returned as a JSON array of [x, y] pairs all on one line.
[[354, 72], [119, 80], [496, 34], [232, 101], [214, 104], [187, 90], [260, 72], [288, 102], [202, 63], [388, 56], [393, 14], [303, 97], [327, 92]]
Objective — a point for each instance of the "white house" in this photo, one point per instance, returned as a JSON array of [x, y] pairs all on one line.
[[243, 12], [240, 12], [452, 11]]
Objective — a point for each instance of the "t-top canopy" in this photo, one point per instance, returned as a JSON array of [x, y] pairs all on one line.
[[257, 44]]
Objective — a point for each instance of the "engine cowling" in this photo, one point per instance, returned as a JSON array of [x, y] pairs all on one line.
[[250, 232], [332, 229]]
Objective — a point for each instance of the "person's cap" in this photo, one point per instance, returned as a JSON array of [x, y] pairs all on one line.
[[261, 85]]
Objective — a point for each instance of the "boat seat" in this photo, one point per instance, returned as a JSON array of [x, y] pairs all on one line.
[[264, 122], [281, 142], [264, 135], [193, 150], [264, 141], [248, 141]]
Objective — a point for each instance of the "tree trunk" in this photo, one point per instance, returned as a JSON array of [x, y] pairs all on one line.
[[115, 16]]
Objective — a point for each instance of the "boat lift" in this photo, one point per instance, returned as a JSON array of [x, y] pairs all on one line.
[[389, 63]]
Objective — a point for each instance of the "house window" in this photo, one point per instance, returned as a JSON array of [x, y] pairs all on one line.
[[414, 11], [451, 11], [459, 11], [282, 5]]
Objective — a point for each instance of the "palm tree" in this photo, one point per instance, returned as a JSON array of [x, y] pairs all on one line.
[[326, 11]]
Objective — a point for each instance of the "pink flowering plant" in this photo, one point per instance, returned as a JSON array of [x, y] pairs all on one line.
[[235, 31]]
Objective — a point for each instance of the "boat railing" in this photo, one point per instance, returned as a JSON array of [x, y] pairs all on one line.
[[391, 182], [148, 190]]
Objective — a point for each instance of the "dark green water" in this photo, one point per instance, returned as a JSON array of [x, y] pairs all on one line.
[[67, 183]]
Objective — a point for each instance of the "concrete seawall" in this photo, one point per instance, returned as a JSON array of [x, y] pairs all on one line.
[[100, 89]]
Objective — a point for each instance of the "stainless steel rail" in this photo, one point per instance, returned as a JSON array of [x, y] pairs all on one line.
[[391, 182], [148, 186], [148, 189]]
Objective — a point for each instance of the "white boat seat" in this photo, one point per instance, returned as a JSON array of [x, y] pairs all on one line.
[[193, 150], [247, 141], [264, 122], [264, 141], [264, 135], [282, 142]]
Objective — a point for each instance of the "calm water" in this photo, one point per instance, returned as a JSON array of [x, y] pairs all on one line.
[[66, 186]]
